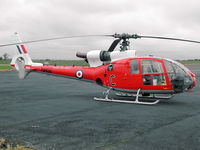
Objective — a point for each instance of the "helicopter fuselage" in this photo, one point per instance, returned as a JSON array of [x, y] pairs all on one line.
[[153, 75]]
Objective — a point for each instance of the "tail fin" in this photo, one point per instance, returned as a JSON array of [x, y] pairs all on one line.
[[22, 62], [20, 48]]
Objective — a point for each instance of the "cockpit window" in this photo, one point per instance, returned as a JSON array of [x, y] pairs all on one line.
[[170, 70], [178, 75], [151, 66], [174, 70], [134, 67]]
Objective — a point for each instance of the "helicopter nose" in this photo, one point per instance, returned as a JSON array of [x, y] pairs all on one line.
[[194, 79]]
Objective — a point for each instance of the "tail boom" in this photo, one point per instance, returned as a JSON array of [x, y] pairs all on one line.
[[73, 72]]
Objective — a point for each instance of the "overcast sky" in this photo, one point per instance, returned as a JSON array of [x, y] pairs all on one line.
[[36, 19]]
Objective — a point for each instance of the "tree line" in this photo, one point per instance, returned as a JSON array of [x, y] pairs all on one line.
[[5, 56]]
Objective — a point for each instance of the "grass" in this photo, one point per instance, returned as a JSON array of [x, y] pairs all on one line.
[[64, 62], [5, 61], [189, 62], [5, 64], [5, 67], [9, 145]]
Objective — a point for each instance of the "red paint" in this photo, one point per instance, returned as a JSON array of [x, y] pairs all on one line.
[[24, 49], [120, 77]]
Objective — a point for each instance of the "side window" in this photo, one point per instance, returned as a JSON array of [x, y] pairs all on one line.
[[146, 66], [151, 66], [134, 67], [159, 79], [146, 79], [157, 67]]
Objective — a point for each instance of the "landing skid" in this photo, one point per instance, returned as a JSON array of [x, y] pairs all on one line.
[[148, 97], [106, 99]]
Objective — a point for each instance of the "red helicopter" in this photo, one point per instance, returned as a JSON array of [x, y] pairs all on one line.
[[126, 73]]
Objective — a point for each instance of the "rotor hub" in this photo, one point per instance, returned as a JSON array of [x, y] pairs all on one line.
[[125, 40], [126, 36]]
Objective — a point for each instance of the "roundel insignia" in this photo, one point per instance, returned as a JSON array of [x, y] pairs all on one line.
[[79, 74]]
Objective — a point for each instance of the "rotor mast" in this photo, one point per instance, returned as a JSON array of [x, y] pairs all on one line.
[[125, 44]]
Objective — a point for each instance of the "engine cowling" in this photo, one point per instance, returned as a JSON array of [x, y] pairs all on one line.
[[96, 58]]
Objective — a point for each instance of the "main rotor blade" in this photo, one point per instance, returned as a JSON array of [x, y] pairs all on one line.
[[167, 38], [113, 45], [49, 39]]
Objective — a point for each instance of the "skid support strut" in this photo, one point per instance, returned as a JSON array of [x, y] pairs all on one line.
[[125, 101]]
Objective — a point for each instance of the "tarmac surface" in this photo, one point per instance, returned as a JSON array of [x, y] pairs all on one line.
[[46, 113]]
